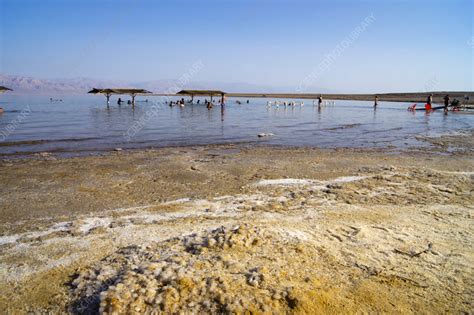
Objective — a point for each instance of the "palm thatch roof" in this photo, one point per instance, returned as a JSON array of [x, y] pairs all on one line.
[[118, 91], [201, 92], [4, 89]]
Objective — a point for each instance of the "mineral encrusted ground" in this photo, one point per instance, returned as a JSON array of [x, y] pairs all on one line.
[[232, 229]]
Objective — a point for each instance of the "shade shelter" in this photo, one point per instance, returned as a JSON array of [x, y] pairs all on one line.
[[4, 89], [203, 93], [109, 92]]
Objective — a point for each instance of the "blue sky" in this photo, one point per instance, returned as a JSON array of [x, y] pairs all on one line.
[[410, 46]]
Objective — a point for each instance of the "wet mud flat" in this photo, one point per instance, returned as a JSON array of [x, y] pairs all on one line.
[[237, 228]]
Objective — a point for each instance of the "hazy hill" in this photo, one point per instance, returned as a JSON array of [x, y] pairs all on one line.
[[31, 85]]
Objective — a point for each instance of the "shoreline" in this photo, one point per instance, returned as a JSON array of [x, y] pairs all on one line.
[[424, 143], [58, 167], [274, 228]]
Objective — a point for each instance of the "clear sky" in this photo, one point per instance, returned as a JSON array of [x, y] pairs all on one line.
[[410, 45]]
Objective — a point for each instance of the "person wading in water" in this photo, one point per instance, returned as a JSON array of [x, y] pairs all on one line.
[[446, 103], [429, 100]]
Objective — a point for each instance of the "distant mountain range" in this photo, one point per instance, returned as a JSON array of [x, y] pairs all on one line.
[[31, 85]]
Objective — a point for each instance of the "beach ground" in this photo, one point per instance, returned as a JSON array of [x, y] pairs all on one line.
[[234, 227]]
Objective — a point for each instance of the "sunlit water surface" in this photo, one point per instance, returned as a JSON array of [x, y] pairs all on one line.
[[84, 124]]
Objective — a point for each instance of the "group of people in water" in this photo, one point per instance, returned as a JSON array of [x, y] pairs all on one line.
[[120, 101], [239, 102], [129, 102], [320, 102], [181, 102], [447, 102], [455, 103]]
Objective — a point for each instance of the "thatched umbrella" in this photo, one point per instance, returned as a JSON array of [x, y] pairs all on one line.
[[4, 89], [109, 92], [203, 92]]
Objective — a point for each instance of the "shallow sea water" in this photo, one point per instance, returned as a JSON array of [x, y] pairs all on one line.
[[84, 124]]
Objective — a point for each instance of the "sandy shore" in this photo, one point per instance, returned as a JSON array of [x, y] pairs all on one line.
[[234, 228]]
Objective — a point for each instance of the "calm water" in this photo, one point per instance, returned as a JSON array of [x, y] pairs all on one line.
[[84, 124]]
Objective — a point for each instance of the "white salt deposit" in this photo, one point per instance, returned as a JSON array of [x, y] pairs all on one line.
[[347, 179], [91, 223], [9, 239], [181, 200], [297, 181], [284, 181], [293, 234]]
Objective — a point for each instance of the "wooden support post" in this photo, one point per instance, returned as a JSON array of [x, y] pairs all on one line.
[[222, 111]]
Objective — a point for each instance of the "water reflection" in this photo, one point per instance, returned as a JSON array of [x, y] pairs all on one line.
[[348, 124]]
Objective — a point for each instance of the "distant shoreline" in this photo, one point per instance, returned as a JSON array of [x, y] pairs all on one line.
[[416, 97], [383, 97]]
